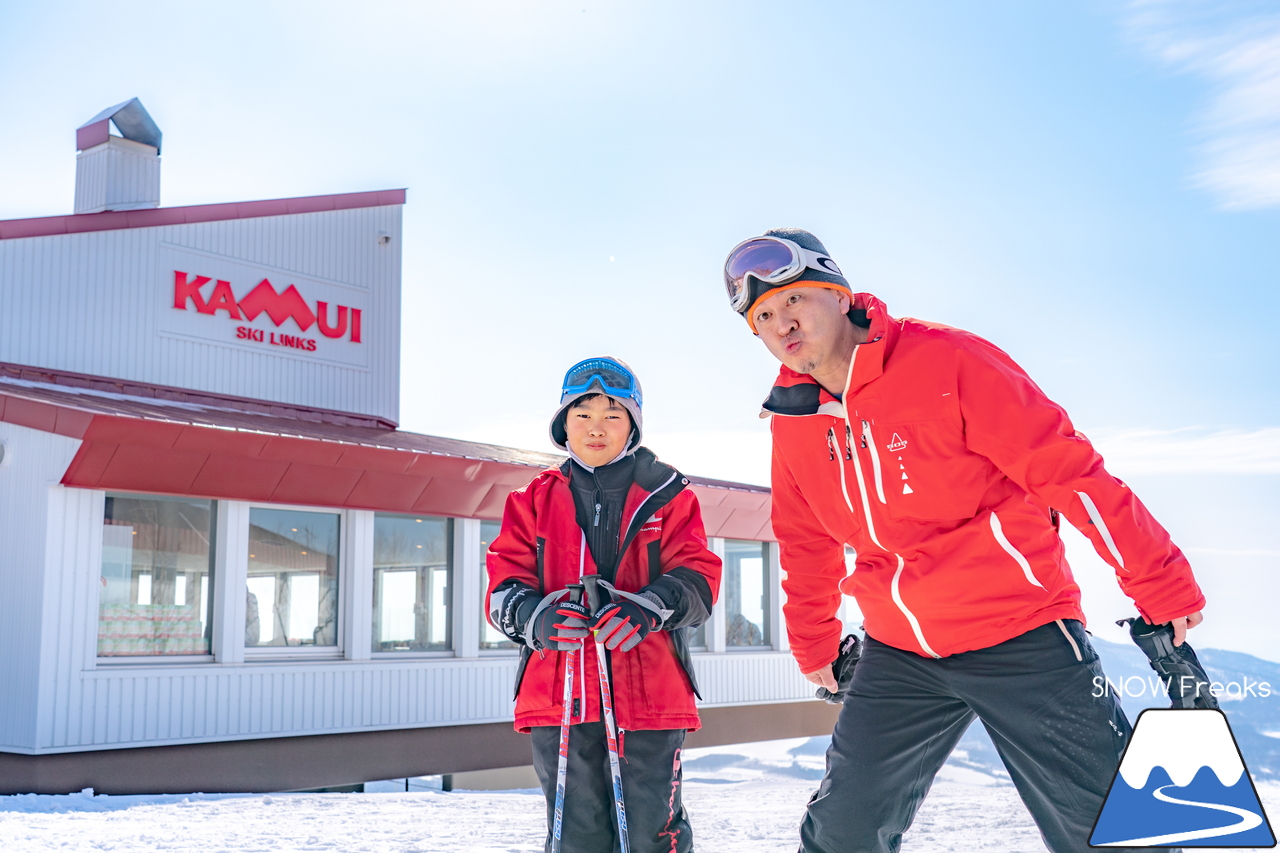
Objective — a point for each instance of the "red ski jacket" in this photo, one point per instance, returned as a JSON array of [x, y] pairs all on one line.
[[541, 545], [947, 469]]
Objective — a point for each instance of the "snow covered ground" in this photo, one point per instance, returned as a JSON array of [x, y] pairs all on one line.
[[742, 798]]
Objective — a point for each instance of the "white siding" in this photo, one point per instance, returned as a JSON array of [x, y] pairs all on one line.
[[117, 175], [141, 706], [59, 697], [96, 302], [34, 463], [68, 639], [134, 706], [750, 678]]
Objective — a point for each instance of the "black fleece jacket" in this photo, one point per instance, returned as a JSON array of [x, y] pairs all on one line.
[[598, 498]]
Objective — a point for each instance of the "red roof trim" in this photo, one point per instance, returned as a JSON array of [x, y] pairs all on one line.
[[147, 390], [336, 466], [45, 226]]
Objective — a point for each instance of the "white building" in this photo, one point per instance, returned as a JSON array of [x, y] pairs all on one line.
[[222, 567]]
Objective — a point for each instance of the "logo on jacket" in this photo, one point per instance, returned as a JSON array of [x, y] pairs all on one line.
[[1182, 783], [653, 525], [897, 445]]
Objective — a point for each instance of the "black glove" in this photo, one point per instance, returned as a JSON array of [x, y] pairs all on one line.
[[622, 624], [842, 669], [1180, 670], [559, 625], [510, 607]]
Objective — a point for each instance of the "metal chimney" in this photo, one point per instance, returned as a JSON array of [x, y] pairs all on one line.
[[118, 172]]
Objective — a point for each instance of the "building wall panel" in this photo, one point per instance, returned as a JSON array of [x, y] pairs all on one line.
[[138, 706], [73, 549], [33, 464], [745, 678], [96, 303], [85, 703]]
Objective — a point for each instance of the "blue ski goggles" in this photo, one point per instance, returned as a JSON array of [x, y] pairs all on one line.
[[612, 378]]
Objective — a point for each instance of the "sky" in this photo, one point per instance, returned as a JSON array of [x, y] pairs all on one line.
[[1094, 185]]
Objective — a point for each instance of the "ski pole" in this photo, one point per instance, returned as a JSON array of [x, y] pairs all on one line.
[[562, 764], [592, 583]]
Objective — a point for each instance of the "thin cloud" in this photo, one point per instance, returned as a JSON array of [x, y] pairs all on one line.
[[1228, 552], [1189, 451], [1235, 44]]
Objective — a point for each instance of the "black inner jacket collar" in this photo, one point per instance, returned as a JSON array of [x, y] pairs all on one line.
[[610, 488], [804, 398]]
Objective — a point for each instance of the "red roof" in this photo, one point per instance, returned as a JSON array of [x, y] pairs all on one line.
[[208, 447], [44, 226]]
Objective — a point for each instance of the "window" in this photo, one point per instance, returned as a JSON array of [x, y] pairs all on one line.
[[849, 615], [412, 556], [698, 637], [293, 578], [746, 592], [490, 637], [157, 572]]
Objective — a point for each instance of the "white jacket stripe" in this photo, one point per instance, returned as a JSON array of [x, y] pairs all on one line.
[[998, 531], [1096, 518]]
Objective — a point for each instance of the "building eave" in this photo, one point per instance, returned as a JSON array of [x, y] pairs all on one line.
[[45, 226], [167, 446]]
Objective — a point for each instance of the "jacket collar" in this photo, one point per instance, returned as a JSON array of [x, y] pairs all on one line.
[[656, 485], [800, 394]]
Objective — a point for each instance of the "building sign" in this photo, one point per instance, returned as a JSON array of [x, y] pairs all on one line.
[[269, 310]]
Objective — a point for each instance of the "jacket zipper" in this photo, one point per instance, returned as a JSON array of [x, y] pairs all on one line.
[[870, 443], [871, 527]]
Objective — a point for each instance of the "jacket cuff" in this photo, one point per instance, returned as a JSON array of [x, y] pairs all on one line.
[[813, 656]]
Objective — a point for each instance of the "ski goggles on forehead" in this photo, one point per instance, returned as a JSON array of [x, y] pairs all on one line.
[[613, 379], [772, 260]]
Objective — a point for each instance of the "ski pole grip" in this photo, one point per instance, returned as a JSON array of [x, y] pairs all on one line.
[[575, 592], [592, 583]]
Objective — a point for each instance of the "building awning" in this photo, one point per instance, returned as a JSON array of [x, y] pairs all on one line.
[[165, 442]]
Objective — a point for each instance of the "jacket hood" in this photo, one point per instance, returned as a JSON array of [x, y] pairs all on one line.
[[797, 394], [650, 473]]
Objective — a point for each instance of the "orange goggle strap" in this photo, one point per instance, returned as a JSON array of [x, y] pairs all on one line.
[[765, 294]]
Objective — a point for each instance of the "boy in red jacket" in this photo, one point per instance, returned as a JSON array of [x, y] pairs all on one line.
[[614, 510]]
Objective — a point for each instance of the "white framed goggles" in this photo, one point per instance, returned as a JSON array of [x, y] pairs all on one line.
[[771, 260]]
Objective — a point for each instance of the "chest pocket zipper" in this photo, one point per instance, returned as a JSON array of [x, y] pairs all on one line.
[[869, 442]]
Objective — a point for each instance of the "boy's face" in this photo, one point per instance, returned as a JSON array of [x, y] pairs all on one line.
[[598, 430]]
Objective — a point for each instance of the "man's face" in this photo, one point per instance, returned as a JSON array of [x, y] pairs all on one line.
[[806, 328], [598, 430]]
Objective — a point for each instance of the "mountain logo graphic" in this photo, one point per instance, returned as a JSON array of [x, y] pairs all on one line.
[[1182, 783], [896, 443]]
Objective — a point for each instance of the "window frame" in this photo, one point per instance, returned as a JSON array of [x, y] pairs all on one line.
[[216, 559], [482, 569], [273, 654], [771, 605], [451, 598]]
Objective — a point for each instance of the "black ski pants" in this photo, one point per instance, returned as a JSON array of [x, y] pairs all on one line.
[[904, 713], [650, 764]]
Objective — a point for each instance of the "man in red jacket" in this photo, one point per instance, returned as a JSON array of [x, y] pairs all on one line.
[[932, 454], [611, 509]]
